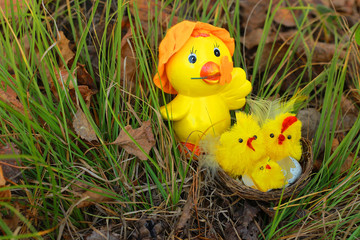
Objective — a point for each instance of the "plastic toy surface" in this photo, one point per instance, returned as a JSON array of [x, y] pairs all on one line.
[[195, 62]]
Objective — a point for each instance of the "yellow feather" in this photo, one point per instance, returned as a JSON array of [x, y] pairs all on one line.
[[269, 109]]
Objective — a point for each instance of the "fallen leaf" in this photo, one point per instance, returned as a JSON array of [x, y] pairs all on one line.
[[284, 16], [66, 52], [321, 52], [10, 6], [9, 96], [9, 217], [81, 77], [10, 166], [143, 136], [128, 63], [146, 12], [83, 127], [185, 215], [245, 226], [345, 6], [95, 195], [253, 14], [5, 195], [348, 162], [2, 177]]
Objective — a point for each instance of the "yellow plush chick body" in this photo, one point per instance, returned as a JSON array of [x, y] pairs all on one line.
[[282, 137], [200, 71], [241, 147], [265, 175]]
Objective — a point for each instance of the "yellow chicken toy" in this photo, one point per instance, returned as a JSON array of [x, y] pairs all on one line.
[[240, 148], [264, 176], [282, 133], [282, 137], [195, 62]]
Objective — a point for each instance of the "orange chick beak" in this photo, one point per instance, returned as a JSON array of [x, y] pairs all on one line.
[[210, 73], [267, 166], [248, 143]]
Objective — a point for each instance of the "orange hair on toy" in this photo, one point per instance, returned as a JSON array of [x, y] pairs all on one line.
[[176, 38]]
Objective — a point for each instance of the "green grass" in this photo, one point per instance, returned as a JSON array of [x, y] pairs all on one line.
[[57, 161]]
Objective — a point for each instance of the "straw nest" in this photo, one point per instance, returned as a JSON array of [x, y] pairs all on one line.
[[237, 187]]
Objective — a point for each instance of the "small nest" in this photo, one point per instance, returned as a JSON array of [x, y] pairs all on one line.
[[237, 187]]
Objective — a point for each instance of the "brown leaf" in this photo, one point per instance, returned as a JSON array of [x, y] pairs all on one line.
[[253, 13], [66, 52], [146, 11], [346, 6], [2, 177], [5, 195], [95, 195], [349, 161], [128, 62], [348, 106], [17, 6], [83, 127], [9, 96], [143, 136], [11, 221], [10, 166], [245, 226], [82, 78], [285, 17], [322, 52], [185, 215], [79, 76]]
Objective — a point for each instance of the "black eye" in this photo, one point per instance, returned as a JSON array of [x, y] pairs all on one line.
[[272, 135], [192, 58], [240, 140], [289, 137], [261, 168], [217, 52], [255, 137]]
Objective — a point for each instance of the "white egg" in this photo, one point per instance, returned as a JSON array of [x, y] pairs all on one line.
[[292, 169]]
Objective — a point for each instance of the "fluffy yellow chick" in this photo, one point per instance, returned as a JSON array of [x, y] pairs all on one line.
[[264, 176], [240, 147], [282, 137]]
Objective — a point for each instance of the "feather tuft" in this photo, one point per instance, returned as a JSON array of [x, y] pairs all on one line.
[[208, 145], [268, 109]]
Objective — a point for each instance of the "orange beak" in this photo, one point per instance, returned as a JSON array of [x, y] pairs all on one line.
[[210, 73], [248, 143], [267, 166]]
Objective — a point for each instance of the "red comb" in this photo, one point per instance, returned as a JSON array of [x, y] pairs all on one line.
[[288, 122]]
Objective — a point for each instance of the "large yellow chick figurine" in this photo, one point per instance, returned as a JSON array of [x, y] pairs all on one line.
[[195, 62]]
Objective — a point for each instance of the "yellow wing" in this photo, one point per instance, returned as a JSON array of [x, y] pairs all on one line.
[[235, 92], [176, 109]]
